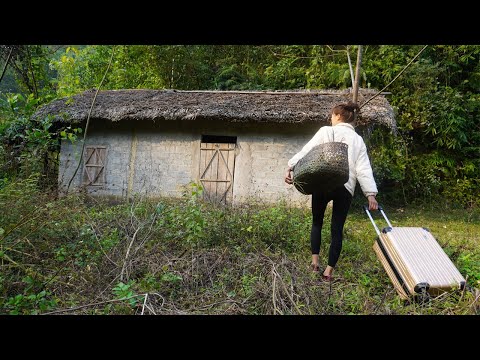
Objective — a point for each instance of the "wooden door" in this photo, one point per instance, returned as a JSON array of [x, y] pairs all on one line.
[[94, 165], [217, 164]]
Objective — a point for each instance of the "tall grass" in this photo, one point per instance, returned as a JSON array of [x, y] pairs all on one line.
[[82, 255]]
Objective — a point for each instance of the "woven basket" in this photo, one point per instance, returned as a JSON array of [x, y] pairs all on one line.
[[323, 168]]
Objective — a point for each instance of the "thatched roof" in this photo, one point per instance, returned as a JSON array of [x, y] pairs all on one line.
[[236, 106]]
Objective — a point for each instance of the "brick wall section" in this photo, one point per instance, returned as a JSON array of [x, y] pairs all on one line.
[[163, 164], [168, 153], [261, 165], [116, 167]]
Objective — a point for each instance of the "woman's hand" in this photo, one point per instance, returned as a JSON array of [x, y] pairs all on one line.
[[288, 177], [372, 203]]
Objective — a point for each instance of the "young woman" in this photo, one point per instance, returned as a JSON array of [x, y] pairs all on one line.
[[343, 122]]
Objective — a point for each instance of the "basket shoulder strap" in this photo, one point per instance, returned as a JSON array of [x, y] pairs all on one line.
[[333, 136]]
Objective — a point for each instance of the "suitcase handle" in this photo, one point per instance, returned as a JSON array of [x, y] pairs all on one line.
[[377, 230]]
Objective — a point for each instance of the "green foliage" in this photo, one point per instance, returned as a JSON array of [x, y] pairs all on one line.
[[170, 277], [124, 291], [248, 284], [30, 304], [148, 283], [65, 68], [469, 264], [389, 157], [29, 145], [29, 66], [275, 226], [190, 218], [436, 155], [15, 200], [286, 70], [32, 301]]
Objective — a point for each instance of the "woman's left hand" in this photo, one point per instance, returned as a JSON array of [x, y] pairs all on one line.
[[372, 203]]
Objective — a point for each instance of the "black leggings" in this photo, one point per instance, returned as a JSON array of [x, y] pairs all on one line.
[[341, 204]]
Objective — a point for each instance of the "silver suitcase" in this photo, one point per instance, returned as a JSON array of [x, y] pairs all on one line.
[[414, 261]]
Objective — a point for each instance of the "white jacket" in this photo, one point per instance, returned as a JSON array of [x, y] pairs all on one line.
[[359, 164]]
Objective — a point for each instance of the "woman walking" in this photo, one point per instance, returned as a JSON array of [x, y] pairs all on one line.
[[343, 122]]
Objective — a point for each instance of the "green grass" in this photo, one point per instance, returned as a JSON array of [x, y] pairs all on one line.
[[79, 255]]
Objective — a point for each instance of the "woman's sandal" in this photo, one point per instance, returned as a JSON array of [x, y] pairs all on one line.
[[315, 268], [327, 278]]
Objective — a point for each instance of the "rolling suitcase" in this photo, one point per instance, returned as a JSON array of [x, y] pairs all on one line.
[[414, 261]]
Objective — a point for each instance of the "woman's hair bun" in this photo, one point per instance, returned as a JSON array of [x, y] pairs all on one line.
[[351, 106]]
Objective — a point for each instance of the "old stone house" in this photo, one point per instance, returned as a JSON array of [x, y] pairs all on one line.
[[235, 143]]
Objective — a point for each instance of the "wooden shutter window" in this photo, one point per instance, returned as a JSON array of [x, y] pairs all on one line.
[[94, 165]]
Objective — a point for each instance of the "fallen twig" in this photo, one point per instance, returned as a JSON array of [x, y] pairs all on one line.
[[93, 304], [381, 301], [128, 252], [288, 294], [101, 247], [474, 301], [273, 292], [144, 302], [151, 310], [163, 299]]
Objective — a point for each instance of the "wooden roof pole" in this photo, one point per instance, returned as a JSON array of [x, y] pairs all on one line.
[[357, 76], [350, 67], [357, 73]]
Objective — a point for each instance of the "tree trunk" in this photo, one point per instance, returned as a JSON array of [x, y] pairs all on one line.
[[6, 64]]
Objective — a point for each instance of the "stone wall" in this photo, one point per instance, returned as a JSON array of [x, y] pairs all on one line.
[[161, 158]]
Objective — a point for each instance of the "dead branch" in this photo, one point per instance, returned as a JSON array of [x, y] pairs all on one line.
[[163, 299], [89, 305], [147, 235], [22, 221], [21, 252], [381, 301], [275, 308], [110, 284], [144, 302], [101, 247], [476, 299], [150, 309], [128, 252], [350, 67], [288, 294]]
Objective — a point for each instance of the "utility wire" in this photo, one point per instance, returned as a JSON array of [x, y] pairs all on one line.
[[400, 73]]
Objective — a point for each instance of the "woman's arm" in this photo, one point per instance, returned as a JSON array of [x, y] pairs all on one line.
[[317, 139], [365, 178]]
